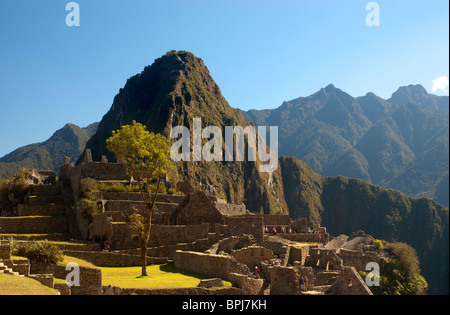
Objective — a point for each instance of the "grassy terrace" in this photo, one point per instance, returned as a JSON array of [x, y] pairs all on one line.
[[165, 276], [14, 285], [159, 277]]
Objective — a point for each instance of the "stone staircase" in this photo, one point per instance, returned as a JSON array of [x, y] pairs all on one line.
[[5, 270]]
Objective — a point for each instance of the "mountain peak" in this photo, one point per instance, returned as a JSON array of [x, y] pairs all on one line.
[[418, 95], [172, 91], [411, 90]]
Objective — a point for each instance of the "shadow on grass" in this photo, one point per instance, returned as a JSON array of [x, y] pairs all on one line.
[[170, 267]]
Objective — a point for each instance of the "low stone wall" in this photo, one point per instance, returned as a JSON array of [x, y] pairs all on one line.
[[90, 278], [21, 266], [34, 225], [250, 286], [110, 290], [45, 279], [215, 266], [63, 288]]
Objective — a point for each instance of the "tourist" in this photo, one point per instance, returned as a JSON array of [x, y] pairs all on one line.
[[256, 272], [319, 237], [306, 283], [302, 284], [107, 246], [274, 231]]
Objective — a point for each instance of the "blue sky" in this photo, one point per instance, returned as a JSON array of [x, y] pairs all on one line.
[[260, 52]]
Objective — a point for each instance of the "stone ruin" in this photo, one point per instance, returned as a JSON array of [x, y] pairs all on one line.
[[203, 234]]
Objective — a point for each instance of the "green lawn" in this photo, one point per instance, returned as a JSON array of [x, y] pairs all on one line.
[[159, 277], [15, 285]]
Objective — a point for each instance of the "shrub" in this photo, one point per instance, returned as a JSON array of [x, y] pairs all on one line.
[[41, 252], [401, 273], [87, 186], [89, 208], [13, 192], [378, 244]]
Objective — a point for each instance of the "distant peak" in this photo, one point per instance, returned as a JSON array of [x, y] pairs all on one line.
[[412, 89]]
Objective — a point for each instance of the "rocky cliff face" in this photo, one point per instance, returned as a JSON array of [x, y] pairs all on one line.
[[171, 92]]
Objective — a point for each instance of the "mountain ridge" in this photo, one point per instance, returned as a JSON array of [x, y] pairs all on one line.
[[178, 87], [69, 141], [337, 134]]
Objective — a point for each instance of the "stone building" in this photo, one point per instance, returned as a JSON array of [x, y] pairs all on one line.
[[199, 208]]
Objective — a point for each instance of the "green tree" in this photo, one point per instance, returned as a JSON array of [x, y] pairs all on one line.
[[147, 159]]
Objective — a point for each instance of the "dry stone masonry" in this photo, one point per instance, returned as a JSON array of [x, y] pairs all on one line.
[[196, 231]]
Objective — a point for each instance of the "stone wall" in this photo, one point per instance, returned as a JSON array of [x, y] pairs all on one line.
[[252, 256], [284, 280], [136, 196], [72, 175], [110, 290], [21, 266], [323, 259], [41, 209], [168, 251], [197, 208], [305, 237], [349, 283], [298, 255], [90, 278], [215, 266], [119, 233], [34, 225], [5, 250], [276, 219], [45, 279], [250, 285], [246, 224], [45, 190], [358, 259], [232, 243], [230, 209]]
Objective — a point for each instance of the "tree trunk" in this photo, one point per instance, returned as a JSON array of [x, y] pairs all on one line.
[[150, 208], [144, 261]]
